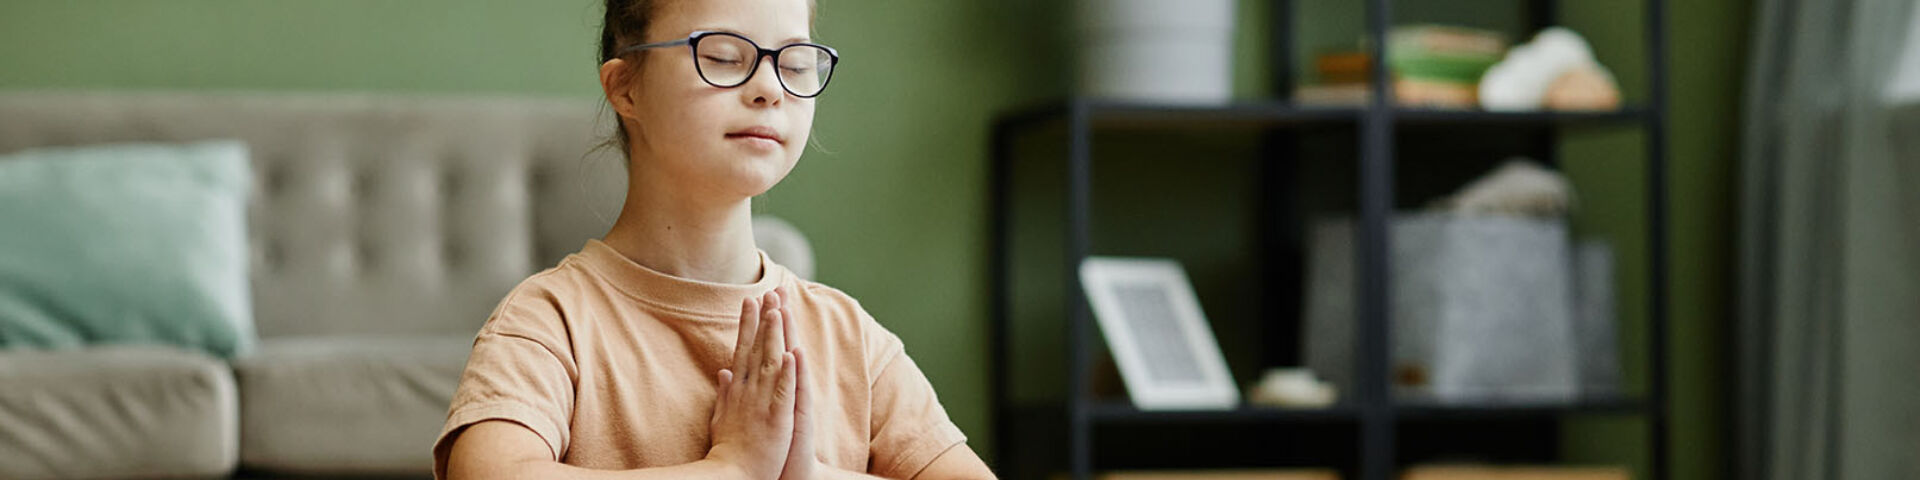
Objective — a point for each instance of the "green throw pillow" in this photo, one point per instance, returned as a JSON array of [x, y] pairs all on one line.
[[132, 243]]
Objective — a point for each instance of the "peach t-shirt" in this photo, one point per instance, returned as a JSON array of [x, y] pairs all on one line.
[[613, 365]]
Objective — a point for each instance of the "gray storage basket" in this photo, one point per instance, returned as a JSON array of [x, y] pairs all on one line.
[[1482, 309]]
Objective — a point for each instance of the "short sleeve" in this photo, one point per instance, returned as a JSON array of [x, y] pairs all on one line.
[[910, 428], [521, 370]]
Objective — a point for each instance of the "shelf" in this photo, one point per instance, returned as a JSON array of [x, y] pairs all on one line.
[[1602, 406], [1123, 412], [1112, 412], [1129, 114], [1139, 115], [1429, 117]]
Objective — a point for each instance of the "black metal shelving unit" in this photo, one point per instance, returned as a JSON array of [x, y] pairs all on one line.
[[1368, 436]]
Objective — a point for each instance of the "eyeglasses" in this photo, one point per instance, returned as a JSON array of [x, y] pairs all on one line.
[[728, 60]]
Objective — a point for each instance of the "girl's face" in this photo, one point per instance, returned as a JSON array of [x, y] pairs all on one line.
[[719, 143]]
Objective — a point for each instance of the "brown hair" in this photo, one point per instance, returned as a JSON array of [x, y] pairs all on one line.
[[625, 23]]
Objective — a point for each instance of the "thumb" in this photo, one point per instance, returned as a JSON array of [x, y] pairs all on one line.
[[802, 400], [720, 399]]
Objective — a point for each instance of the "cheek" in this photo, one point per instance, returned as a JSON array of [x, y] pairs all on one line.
[[678, 126], [668, 111], [801, 118]]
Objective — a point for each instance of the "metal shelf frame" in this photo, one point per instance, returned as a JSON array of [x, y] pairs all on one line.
[[1370, 407]]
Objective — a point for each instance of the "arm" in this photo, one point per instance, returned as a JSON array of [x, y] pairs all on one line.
[[958, 463], [829, 472], [499, 449]]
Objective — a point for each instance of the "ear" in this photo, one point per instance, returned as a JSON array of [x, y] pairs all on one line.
[[616, 79]]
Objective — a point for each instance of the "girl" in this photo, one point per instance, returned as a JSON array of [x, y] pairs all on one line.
[[673, 348]]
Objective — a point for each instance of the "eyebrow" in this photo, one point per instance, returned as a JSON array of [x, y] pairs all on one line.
[[788, 41]]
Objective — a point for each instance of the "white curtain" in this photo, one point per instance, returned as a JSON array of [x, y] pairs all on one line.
[[1829, 308], [1904, 90]]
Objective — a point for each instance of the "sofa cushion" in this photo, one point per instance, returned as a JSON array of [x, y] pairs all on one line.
[[116, 412], [126, 243], [355, 405]]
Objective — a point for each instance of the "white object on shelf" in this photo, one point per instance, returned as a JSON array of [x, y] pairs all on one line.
[[1517, 187], [1292, 388], [1519, 82], [1156, 51]]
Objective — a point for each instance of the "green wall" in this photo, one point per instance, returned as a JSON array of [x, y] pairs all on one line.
[[1707, 49], [894, 202]]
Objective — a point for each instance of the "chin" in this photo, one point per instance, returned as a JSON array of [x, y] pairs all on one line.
[[756, 176]]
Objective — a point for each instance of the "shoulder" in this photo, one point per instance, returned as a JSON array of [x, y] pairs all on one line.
[[834, 306], [543, 300], [826, 299], [844, 314]]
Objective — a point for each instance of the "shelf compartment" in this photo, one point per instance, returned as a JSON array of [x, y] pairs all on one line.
[[1178, 443], [1121, 114]]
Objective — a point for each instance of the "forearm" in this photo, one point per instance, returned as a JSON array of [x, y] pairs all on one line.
[[828, 472], [548, 469]]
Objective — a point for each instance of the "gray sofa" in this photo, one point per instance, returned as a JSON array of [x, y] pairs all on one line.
[[383, 230]]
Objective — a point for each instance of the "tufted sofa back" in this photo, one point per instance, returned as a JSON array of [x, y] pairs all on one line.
[[374, 215]]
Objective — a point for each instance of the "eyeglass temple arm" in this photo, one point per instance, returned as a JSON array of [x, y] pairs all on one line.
[[644, 46]]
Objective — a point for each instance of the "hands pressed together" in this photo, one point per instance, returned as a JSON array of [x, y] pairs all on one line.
[[762, 423]]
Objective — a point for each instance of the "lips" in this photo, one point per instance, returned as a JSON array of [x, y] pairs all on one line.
[[758, 132]]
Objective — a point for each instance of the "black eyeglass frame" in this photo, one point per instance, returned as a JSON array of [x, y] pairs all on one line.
[[693, 49]]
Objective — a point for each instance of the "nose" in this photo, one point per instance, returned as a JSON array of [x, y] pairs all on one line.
[[763, 88]]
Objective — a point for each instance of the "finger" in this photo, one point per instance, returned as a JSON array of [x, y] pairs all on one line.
[[755, 364], [749, 323], [783, 393], [761, 366], [801, 448], [771, 304], [773, 339], [786, 327], [770, 301], [802, 399]]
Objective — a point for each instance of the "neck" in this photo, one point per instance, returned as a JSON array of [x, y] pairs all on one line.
[[671, 231]]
